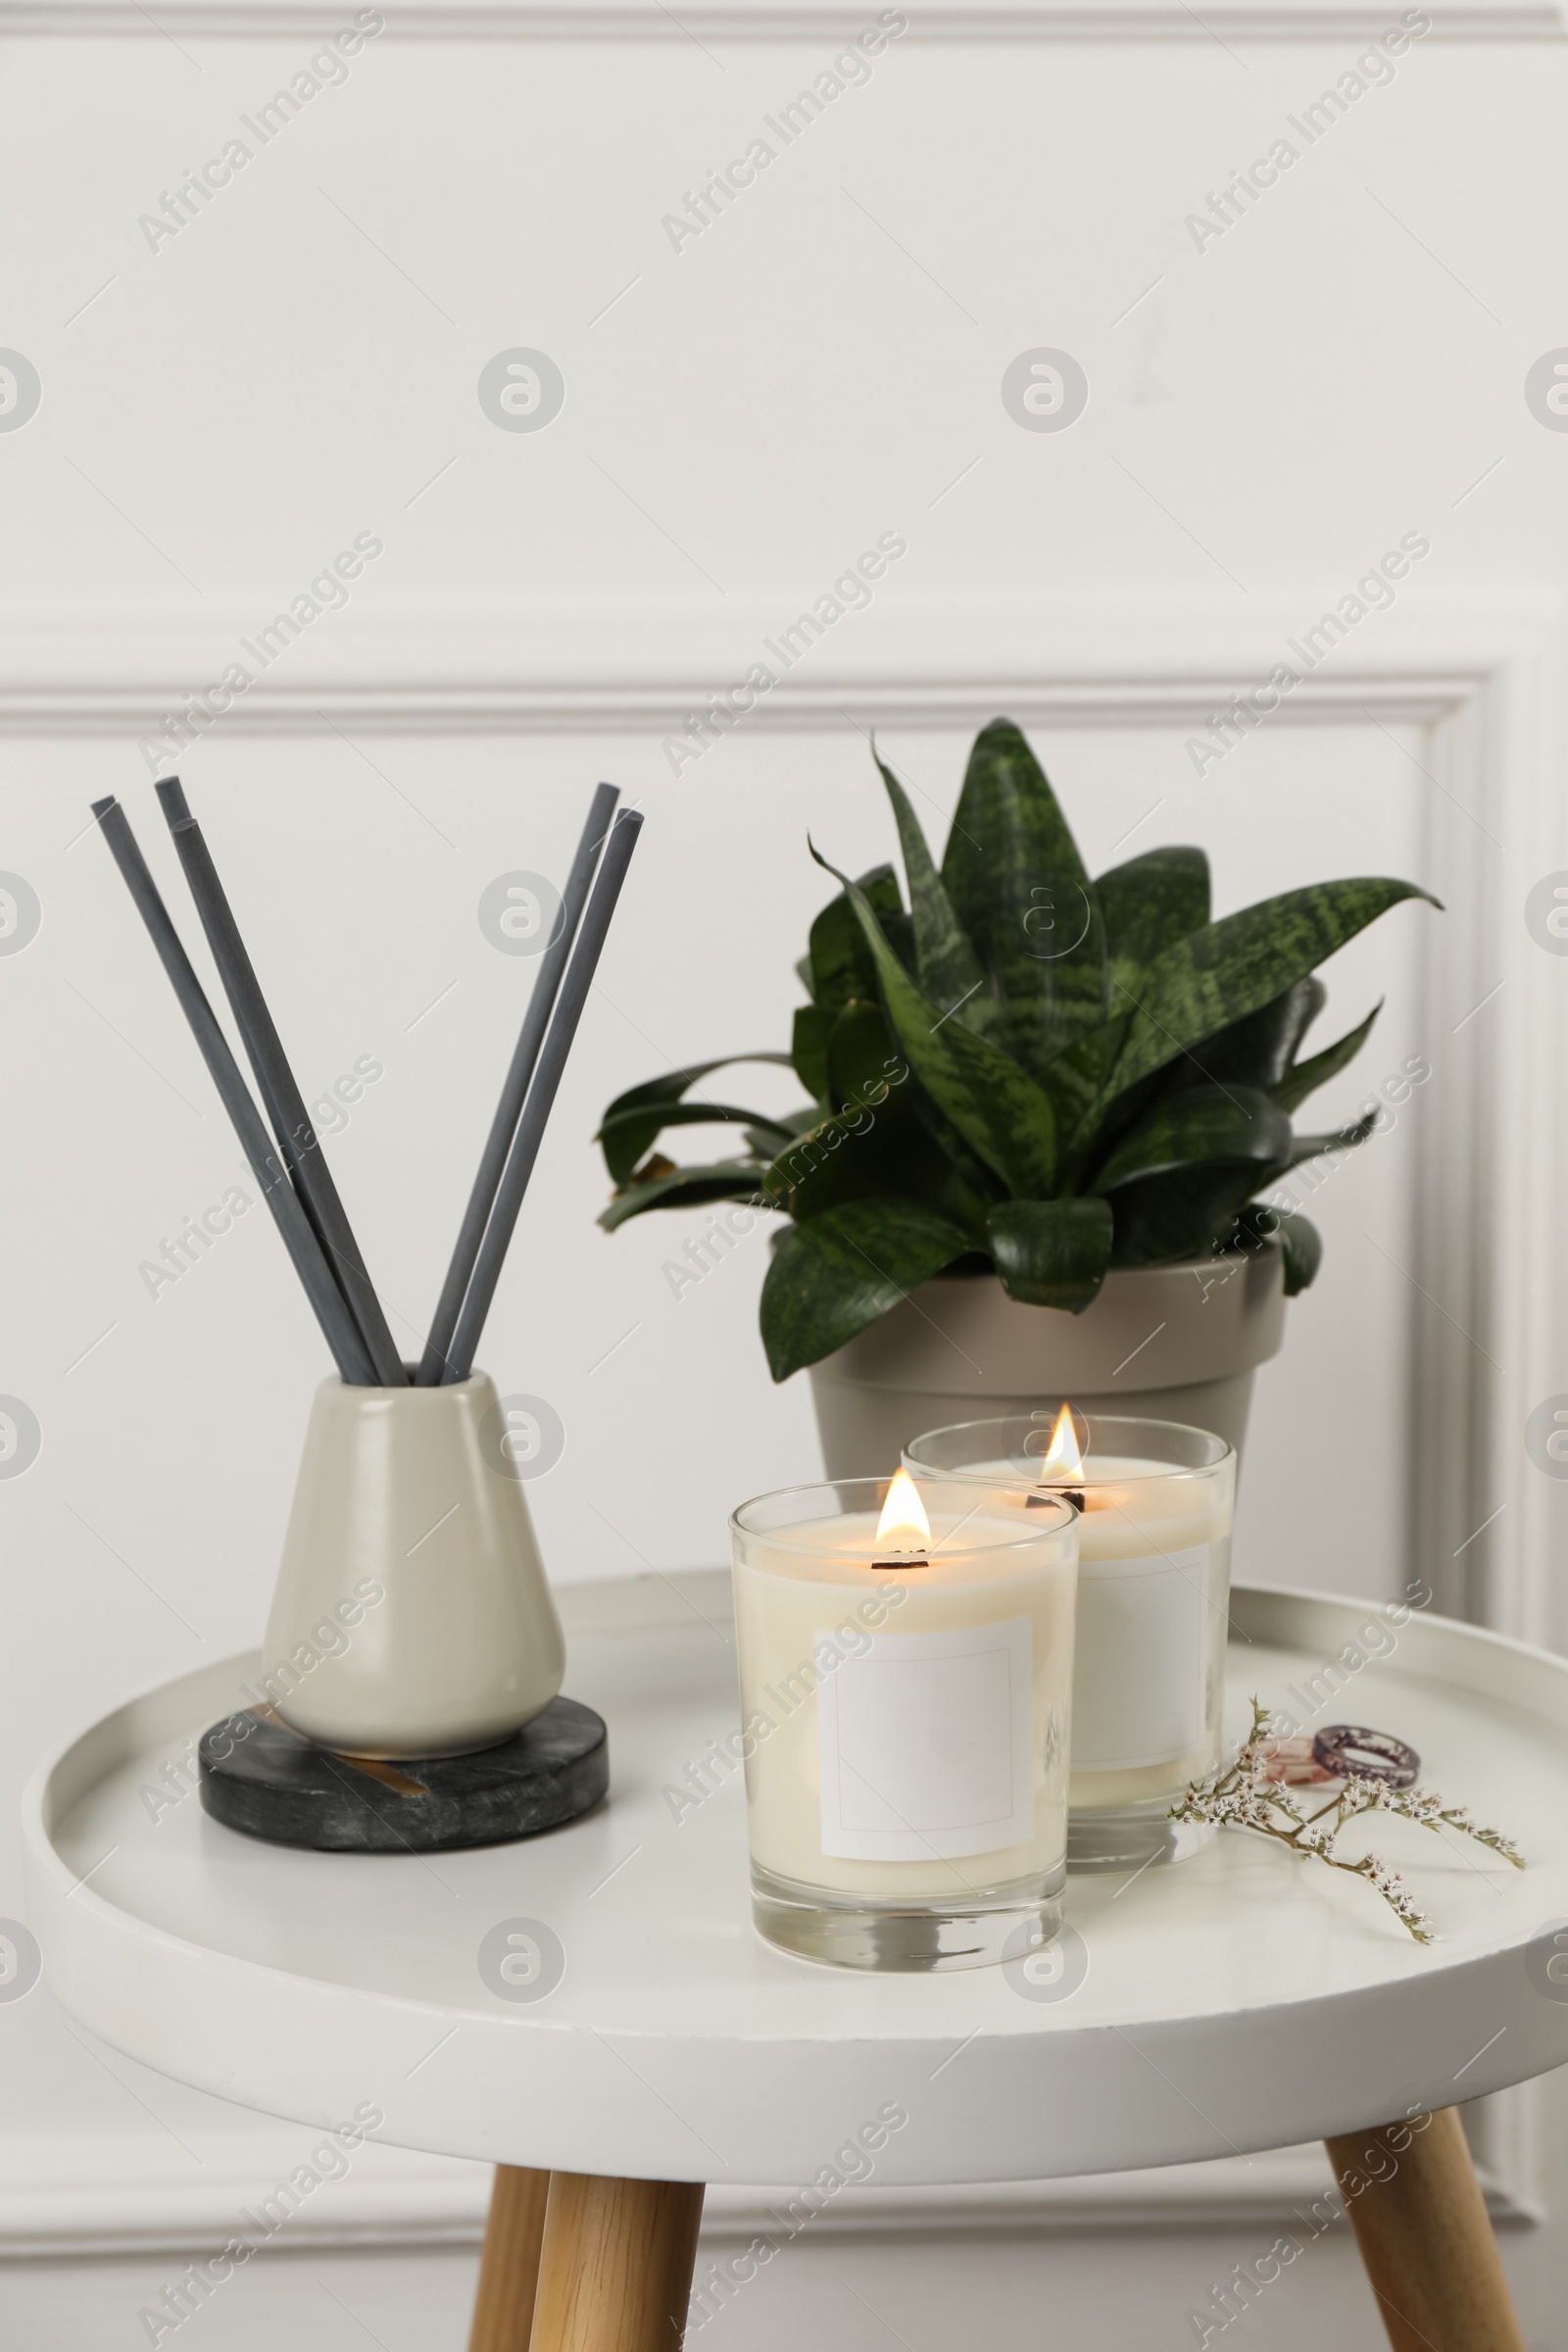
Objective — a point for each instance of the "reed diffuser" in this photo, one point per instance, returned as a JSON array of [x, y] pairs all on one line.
[[411, 1620]]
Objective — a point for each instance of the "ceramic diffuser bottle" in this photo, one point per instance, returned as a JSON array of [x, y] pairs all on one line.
[[411, 1616]]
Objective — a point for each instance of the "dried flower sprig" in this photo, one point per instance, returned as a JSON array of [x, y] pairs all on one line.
[[1241, 1797]]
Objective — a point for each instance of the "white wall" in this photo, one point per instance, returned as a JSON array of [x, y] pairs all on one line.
[[297, 365]]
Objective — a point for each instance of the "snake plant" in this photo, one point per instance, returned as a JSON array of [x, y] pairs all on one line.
[[1022, 1069]]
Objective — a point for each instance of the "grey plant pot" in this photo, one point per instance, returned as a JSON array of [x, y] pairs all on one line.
[[1174, 1342]]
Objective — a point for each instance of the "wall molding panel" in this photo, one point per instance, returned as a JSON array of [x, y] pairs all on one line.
[[1023, 20], [135, 2194]]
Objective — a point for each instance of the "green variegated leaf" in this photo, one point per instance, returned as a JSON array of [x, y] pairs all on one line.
[[1339, 1139], [1052, 1252], [862, 1057], [686, 1188], [626, 1134], [763, 1141], [1150, 903], [1258, 1050], [883, 1135], [1305, 1077], [1302, 1244], [1018, 887], [841, 967], [899, 932], [1187, 1213], [876, 1151], [944, 960], [1204, 984], [880, 1138], [1078, 1080], [839, 1272], [652, 1100], [981, 1182], [813, 1025], [1208, 1124], [995, 1106]]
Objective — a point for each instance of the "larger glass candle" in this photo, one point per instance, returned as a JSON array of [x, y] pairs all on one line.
[[1154, 1547], [905, 1669]]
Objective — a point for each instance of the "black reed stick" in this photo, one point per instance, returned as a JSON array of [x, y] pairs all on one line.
[[300, 1241], [542, 1094], [281, 1098], [535, 1021]]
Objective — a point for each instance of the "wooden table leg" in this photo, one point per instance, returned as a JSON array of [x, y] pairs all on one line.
[[508, 2268], [616, 2268], [1421, 2224]]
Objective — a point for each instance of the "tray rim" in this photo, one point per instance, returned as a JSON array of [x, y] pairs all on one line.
[[547, 2051]]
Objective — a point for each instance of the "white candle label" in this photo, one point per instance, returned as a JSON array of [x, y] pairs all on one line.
[[926, 1744], [1141, 1660]]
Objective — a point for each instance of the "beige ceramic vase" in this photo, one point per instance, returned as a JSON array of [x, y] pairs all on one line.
[[411, 1616]]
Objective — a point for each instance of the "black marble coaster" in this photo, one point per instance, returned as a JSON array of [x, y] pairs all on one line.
[[258, 1776]]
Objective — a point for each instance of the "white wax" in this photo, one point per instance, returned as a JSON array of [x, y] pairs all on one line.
[[1143, 1515], [811, 1611]]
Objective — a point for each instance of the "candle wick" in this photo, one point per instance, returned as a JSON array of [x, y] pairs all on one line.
[[1072, 1494], [906, 1559]]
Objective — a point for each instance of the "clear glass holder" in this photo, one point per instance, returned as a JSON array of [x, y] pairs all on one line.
[[1158, 1501], [905, 1653], [916, 1937], [1127, 1838]]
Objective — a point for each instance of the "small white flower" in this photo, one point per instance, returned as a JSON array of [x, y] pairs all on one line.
[[1244, 1796]]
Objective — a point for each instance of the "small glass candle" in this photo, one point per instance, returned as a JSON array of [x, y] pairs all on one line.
[[1153, 1591], [905, 1669]]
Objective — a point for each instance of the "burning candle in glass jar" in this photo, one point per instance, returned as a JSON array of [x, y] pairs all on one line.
[[1154, 1549], [905, 1659]]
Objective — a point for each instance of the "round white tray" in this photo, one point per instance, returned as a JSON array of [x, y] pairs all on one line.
[[1237, 2001]]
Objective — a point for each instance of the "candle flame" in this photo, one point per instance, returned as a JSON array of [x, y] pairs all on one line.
[[1062, 1458], [904, 1525]]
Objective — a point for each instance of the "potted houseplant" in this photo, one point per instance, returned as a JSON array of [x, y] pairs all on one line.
[[1042, 1112]]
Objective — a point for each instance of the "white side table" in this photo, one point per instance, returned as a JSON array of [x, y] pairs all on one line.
[[642, 2041]]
